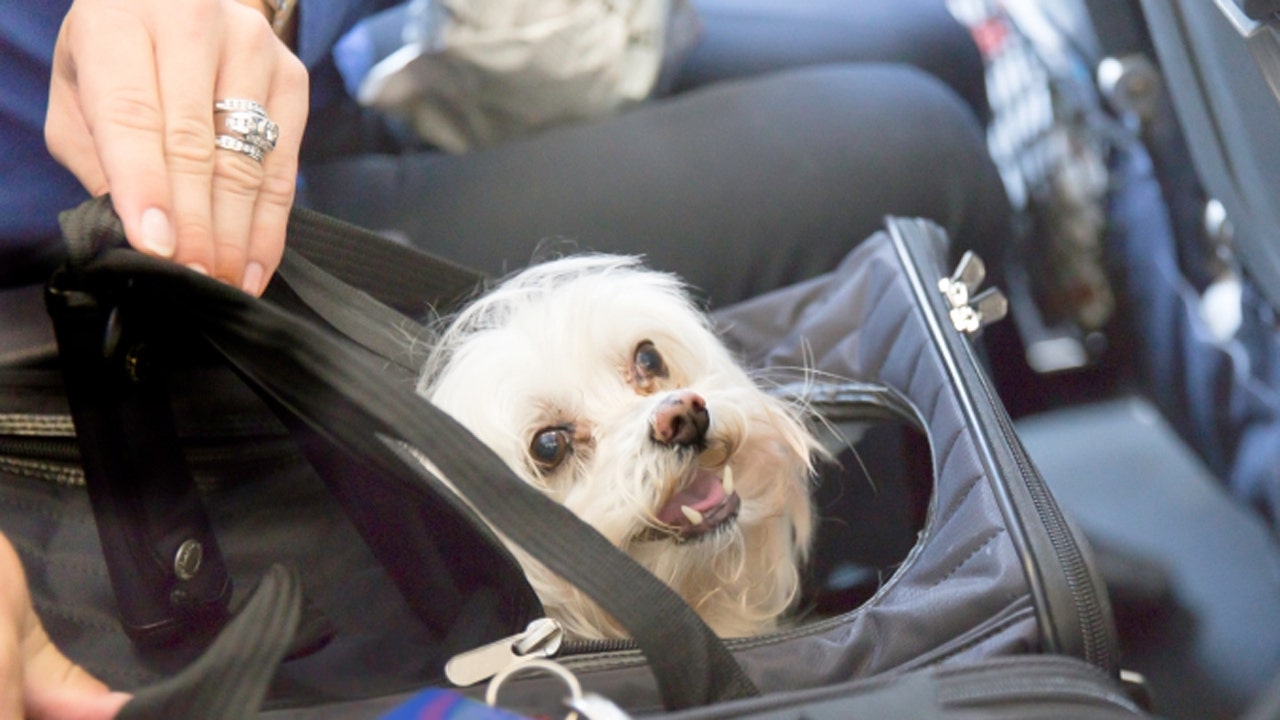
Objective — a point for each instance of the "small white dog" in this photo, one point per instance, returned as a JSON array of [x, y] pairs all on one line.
[[600, 383]]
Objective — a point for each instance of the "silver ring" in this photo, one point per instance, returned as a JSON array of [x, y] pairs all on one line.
[[234, 104], [247, 120], [253, 128], [226, 142]]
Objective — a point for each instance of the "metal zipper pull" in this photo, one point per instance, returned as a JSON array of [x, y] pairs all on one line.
[[965, 281], [971, 312], [541, 639]]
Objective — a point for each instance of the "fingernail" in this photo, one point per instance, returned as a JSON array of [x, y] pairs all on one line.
[[197, 267], [112, 702], [157, 234], [252, 283]]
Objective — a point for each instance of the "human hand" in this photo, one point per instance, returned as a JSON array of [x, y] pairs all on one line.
[[36, 680], [131, 112]]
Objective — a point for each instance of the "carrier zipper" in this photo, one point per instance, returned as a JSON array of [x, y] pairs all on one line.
[[1027, 686], [1022, 681], [971, 311], [50, 457], [1097, 648], [474, 666], [44, 447], [1083, 594], [37, 425], [579, 655], [543, 638]]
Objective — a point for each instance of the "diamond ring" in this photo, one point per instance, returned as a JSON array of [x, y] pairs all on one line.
[[226, 142], [247, 123]]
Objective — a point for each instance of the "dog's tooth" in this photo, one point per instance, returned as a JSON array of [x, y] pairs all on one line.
[[694, 516], [727, 480]]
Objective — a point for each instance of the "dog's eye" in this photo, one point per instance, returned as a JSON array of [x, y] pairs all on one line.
[[648, 364], [550, 446]]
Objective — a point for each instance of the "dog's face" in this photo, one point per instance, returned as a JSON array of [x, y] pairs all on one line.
[[600, 383]]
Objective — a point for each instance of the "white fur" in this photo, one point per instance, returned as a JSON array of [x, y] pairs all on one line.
[[554, 345]]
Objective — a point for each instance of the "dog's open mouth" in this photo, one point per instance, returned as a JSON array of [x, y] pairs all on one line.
[[706, 503]]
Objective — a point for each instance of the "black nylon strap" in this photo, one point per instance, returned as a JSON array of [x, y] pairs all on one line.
[[362, 319], [229, 681], [400, 276]]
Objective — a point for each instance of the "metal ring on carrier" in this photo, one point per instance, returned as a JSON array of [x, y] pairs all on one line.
[[251, 132], [548, 666]]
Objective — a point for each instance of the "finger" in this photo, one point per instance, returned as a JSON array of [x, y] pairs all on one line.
[[121, 108], [10, 672], [36, 680], [249, 56], [187, 49], [66, 134], [13, 609], [57, 688], [287, 106]]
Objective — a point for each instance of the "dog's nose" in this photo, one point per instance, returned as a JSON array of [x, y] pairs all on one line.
[[681, 419]]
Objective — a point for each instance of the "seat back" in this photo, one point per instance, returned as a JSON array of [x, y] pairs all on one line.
[[1221, 60]]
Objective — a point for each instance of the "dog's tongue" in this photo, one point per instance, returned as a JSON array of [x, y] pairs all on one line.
[[703, 494]]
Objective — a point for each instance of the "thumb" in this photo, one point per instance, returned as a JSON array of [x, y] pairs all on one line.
[[37, 681], [57, 689]]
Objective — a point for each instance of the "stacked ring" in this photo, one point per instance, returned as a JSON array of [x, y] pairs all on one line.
[[252, 132], [226, 142]]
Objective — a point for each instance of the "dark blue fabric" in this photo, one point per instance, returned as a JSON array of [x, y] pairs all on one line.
[[1223, 399], [32, 186]]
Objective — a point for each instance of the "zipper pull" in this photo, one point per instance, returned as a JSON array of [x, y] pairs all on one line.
[[541, 639], [965, 281], [971, 312]]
